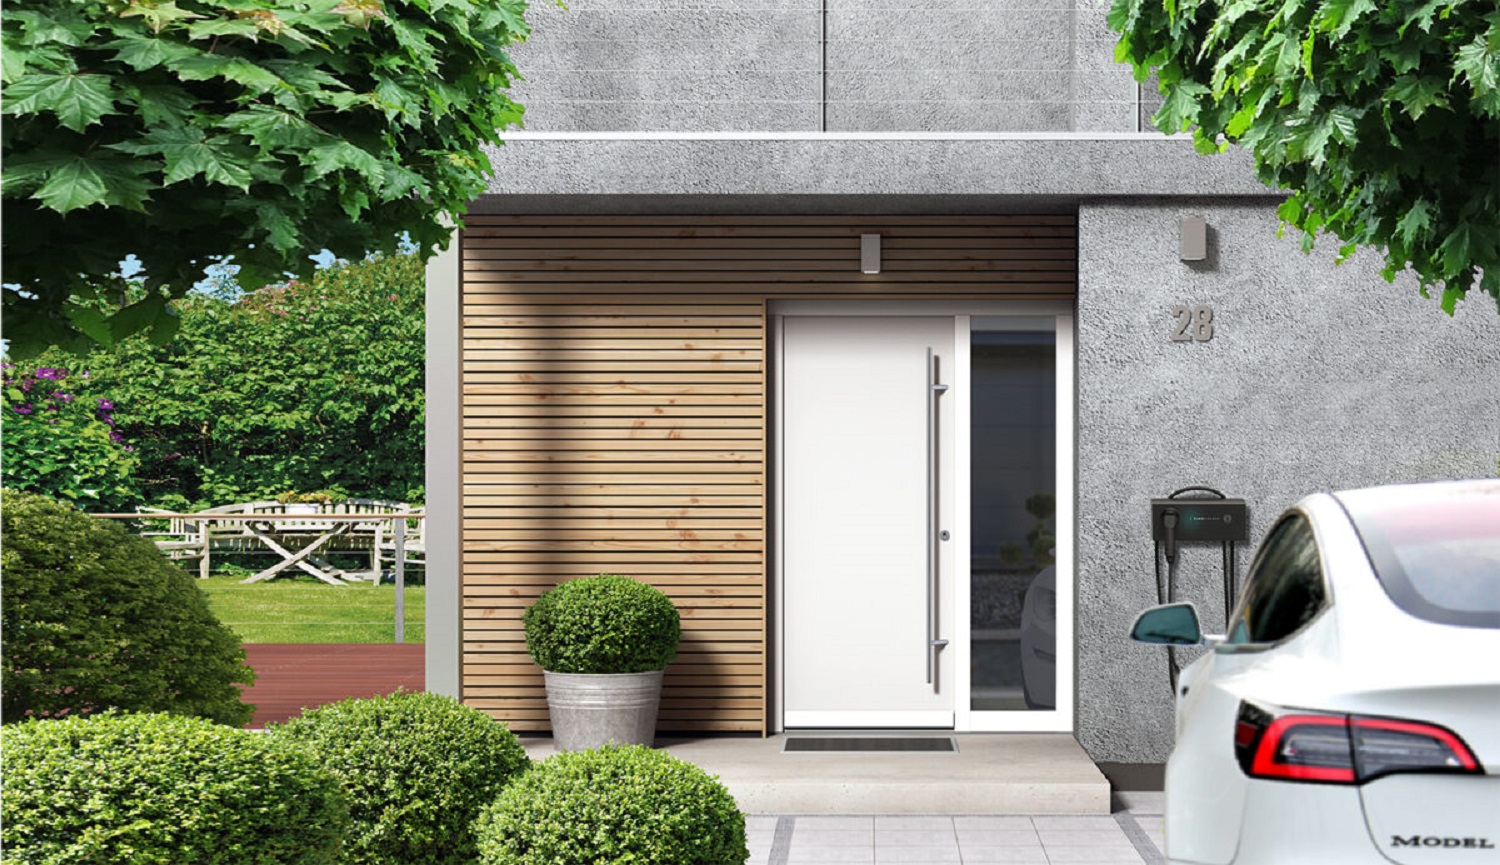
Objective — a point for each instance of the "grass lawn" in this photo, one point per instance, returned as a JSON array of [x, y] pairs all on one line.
[[305, 610]]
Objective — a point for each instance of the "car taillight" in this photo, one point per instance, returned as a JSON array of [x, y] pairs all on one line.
[[1343, 749]]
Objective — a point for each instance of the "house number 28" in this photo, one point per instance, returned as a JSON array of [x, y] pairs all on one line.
[[1194, 323]]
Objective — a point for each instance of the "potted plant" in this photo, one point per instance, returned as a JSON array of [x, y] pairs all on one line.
[[603, 643]]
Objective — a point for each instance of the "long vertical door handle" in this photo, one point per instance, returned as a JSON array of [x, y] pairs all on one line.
[[934, 389]]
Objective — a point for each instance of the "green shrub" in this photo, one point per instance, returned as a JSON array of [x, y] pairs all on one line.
[[603, 624], [416, 769], [615, 804], [96, 618], [112, 789]]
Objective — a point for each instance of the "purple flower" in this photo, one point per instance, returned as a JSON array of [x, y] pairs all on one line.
[[106, 405], [62, 397], [25, 385], [85, 373], [129, 449], [51, 373], [23, 408], [115, 436]]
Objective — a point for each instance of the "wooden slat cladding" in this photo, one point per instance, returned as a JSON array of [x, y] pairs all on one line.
[[614, 416]]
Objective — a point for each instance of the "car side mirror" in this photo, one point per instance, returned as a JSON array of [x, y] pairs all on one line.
[[1168, 625]]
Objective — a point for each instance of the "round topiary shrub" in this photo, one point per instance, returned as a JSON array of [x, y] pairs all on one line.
[[603, 624], [614, 804], [117, 788], [96, 618], [416, 769]]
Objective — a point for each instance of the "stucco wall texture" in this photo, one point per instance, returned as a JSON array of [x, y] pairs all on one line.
[[1317, 378], [770, 65]]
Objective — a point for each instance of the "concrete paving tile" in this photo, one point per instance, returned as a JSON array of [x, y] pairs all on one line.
[[1084, 838], [993, 823], [1093, 855], [998, 838], [908, 855], [824, 855], [914, 823], [833, 837], [981, 855], [909, 837], [758, 823], [1075, 823], [817, 824]]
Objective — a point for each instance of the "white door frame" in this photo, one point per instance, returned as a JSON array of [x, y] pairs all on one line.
[[994, 314]]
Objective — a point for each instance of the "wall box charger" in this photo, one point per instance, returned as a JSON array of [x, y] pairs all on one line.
[[1202, 519]]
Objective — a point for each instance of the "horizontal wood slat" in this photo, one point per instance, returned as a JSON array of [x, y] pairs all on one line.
[[614, 415]]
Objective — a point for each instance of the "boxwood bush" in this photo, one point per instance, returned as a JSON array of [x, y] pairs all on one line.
[[112, 789], [614, 804], [416, 769], [95, 618], [603, 624]]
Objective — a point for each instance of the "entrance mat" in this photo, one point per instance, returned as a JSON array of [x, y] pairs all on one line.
[[870, 743]]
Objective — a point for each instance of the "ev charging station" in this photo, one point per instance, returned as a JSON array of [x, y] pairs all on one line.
[[1210, 517]]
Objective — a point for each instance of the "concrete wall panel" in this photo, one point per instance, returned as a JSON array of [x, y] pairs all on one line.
[[672, 67], [1317, 378]]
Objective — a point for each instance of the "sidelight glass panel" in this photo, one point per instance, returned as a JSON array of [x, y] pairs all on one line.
[[1013, 434]]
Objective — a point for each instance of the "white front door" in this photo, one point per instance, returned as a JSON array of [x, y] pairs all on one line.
[[924, 531], [866, 482]]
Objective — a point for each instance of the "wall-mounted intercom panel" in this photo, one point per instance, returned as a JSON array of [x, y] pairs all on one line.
[[1200, 520]]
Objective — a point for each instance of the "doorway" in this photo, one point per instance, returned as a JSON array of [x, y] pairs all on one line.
[[923, 503]]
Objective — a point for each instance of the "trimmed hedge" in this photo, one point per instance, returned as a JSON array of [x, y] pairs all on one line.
[[416, 769], [118, 789], [96, 618], [614, 804], [603, 624]]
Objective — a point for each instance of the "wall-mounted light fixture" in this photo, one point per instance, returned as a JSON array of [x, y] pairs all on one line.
[[1194, 239], [869, 253]]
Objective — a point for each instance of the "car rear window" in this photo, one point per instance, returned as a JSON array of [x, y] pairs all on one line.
[[1437, 559]]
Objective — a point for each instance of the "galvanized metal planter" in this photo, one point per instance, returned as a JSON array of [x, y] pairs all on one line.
[[592, 709]]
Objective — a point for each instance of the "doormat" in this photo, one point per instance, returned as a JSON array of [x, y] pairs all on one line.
[[870, 743]]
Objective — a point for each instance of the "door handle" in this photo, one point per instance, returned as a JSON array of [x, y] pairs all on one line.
[[934, 389]]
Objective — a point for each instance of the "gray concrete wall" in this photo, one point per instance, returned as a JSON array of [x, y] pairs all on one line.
[[1068, 167], [724, 65], [1317, 378]]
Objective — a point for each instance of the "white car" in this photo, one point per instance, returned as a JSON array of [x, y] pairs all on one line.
[[1352, 713]]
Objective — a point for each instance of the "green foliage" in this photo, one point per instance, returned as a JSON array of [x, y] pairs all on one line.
[[60, 440], [614, 804], [1383, 119], [125, 789], [94, 618], [312, 385], [187, 130], [416, 768], [603, 624]]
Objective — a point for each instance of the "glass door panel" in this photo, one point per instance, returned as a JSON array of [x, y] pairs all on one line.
[[1013, 520]]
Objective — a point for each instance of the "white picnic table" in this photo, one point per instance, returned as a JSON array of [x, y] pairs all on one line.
[[301, 537]]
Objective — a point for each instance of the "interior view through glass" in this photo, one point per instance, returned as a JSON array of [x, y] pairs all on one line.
[[1013, 606]]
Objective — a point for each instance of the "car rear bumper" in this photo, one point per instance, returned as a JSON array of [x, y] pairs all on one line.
[[1289, 823]]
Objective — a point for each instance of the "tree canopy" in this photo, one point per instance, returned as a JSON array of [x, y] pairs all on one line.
[[182, 131], [1382, 117]]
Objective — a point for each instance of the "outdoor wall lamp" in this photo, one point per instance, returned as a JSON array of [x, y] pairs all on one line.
[[1193, 237], [869, 253]]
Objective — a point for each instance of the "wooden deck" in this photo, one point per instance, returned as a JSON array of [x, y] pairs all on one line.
[[293, 676]]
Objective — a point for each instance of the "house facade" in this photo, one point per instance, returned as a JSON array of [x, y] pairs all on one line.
[[868, 333]]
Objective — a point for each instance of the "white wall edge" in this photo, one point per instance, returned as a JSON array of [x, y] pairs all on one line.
[[443, 467]]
